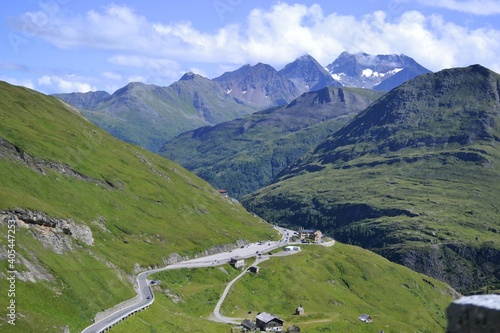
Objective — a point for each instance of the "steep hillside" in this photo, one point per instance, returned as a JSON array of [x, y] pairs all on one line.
[[90, 211], [244, 155], [149, 115], [334, 285], [414, 177]]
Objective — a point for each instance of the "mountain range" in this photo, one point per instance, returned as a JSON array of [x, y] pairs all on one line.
[[246, 154], [148, 115], [414, 177], [151, 115]]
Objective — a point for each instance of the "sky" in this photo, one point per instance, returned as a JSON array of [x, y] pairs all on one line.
[[61, 46]]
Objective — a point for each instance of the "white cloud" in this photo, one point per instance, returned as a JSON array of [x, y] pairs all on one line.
[[155, 71], [476, 7], [113, 29], [136, 78], [111, 76], [56, 83], [276, 36]]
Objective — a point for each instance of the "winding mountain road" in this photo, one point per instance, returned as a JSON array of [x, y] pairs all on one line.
[[146, 296]]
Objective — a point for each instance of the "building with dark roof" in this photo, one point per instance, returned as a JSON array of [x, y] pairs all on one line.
[[237, 262], [248, 326], [268, 322]]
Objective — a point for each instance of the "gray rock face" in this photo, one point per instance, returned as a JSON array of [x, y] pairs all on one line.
[[55, 234], [474, 314]]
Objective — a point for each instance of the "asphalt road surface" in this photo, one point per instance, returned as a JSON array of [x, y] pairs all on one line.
[[144, 284]]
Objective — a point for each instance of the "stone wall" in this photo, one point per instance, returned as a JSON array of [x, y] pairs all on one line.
[[474, 314]]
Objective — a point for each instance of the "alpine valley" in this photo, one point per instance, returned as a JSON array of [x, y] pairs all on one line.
[[399, 165], [246, 154]]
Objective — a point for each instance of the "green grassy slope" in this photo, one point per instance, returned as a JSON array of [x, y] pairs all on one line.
[[244, 155], [415, 177], [334, 285], [140, 208]]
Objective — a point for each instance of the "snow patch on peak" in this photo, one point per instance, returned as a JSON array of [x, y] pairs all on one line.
[[368, 72], [338, 77]]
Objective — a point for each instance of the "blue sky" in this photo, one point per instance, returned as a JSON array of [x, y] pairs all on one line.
[[69, 45]]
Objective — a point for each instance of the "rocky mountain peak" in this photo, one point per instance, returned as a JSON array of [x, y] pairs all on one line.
[[308, 75], [258, 85], [188, 76], [383, 72]]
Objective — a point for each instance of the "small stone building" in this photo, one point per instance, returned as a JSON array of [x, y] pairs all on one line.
[[237, 262], [299, 311]]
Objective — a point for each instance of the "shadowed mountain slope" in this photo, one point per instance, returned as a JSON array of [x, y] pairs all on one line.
[[244, 155], [415, 177]]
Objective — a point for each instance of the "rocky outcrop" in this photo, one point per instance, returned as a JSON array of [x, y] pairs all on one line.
[[474, 314], [55, 234]]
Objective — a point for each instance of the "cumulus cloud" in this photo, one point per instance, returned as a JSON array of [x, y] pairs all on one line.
[[277, 36], [59, 84], [476, 7]]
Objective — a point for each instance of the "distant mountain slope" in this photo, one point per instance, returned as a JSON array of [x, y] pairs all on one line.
[[308, 75], [415, 177], [91, 211], [381, 72], [149, 115], [259, 85], [244, 155], [84, 101]]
